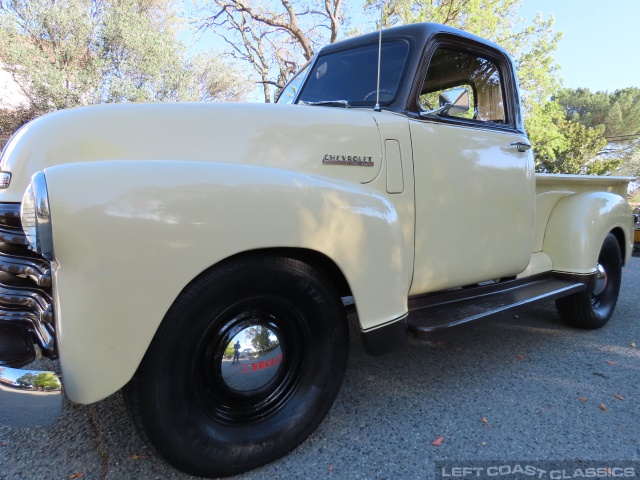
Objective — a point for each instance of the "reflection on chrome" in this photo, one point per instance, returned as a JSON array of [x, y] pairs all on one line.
[[29, 380], [29, 398], [252, 359]]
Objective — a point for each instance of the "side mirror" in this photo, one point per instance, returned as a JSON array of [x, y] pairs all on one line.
[[451, 101], [457, 100]]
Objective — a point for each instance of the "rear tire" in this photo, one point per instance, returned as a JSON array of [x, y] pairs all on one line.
[[209, 417], [593, 309]]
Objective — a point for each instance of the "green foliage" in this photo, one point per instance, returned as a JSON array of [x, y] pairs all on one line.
[[229, 351], [42, 381], [615, 114], [47, 47], [26, 380], [46, 381], [67, 53], [261, 340], [544, 131], [141, 60], [574, 150]]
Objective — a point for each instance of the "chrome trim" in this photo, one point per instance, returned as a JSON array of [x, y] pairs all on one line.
[[13, 236], [14, 295], [521, 146], [44, 237], [35, 269], [25, 285], [10, 215], [44, 333], [26, 404], [601, 280]]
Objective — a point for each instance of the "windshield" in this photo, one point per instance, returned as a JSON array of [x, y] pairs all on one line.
[[290, 91], [351, 75]]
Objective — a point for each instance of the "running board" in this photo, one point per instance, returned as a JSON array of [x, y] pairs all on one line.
[[430, 313]]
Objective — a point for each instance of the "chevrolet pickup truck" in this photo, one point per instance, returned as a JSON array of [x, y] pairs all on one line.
[[147, 245]]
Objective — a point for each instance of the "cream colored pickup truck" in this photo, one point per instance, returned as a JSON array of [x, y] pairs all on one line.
[[146, 246]]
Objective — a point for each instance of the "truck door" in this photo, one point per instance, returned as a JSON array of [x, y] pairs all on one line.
[[474, 173]]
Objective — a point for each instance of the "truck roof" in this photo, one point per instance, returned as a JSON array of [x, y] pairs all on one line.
[[419, 33]]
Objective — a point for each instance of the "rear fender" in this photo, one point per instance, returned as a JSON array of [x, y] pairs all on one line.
[[578, 225], [129, 236]]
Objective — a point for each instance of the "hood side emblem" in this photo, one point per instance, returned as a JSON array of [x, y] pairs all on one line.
[[356, 160]]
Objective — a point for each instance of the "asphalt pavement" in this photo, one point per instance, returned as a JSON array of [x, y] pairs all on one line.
[[519, 389]]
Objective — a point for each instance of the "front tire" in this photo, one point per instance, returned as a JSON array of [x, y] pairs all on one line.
[[593, 309], [211, 418]]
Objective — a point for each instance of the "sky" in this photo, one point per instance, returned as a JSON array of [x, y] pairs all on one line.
[[598, 50]]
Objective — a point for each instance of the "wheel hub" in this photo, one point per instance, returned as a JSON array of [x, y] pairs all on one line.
[[601, 280], [257, 361], [256, 381]]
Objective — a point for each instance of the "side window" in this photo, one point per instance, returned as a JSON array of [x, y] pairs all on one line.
[[453, 69]]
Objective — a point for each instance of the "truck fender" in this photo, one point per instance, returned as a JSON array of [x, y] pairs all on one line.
[[128, 236], [578, 225]]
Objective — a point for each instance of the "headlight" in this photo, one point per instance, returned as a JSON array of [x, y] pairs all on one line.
[[36, 220]]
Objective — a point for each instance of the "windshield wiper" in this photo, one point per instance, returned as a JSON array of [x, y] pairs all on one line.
[[334, 103]]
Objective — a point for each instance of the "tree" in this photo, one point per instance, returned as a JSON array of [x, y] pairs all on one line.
[[26, 380], [545, 133], [261, 340], [565, 146], [276, 38], [616, 114], [67, 53], [46, 381], [229, 351], [46, 46]]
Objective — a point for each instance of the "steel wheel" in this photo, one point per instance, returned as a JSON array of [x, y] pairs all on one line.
[[210, 416], [593, 309]]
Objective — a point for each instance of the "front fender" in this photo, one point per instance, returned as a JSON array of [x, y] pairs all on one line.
[[578, 225], [129, 236]]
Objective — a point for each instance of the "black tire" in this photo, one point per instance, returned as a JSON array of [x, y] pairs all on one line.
[[593, 309], [187, 407]]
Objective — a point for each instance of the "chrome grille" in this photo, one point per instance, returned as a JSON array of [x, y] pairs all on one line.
[[25, 282]]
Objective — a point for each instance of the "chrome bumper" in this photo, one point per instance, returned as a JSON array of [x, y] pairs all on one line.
[[28, 398]]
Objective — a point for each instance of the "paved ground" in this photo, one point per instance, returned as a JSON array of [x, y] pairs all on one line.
[[251, 371], [515, 389]]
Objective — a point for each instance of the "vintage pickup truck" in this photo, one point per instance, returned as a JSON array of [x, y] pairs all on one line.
[[145, 244]]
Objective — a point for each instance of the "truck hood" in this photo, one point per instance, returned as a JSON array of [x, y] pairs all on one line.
[[329, 141]]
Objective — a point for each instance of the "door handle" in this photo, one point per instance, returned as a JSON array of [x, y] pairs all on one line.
[[522, 147]]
